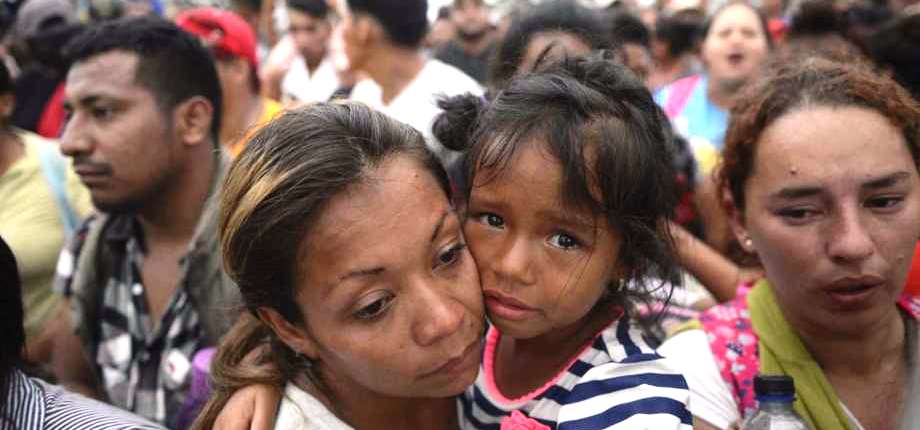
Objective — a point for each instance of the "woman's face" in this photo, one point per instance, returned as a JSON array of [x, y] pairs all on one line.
[[390, 295], [735, 46], [832, 211]]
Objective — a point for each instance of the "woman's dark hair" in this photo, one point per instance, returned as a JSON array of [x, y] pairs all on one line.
[[628, 28], [897, 46], [711, 19], [562, 16], [816, 18], [276, 189], [600, 122], [404, 21], [809, 83], [11, 314], [679, 32]]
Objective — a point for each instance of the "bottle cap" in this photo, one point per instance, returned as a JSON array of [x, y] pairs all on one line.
[[774, 385]]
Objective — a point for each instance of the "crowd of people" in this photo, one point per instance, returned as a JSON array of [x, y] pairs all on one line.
[[368, 214]]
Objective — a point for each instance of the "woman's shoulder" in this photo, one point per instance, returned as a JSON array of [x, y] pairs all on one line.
[[303, 411]]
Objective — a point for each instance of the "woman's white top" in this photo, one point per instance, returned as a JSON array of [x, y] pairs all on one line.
[[301, 411]]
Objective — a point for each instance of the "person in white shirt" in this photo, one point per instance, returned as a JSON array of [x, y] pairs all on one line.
[[382, 40], [299, 67]]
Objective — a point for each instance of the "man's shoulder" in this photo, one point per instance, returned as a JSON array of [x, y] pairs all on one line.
[[449, 79]]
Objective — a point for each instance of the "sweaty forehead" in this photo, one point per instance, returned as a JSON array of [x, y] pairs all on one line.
[[396, 200], [109, 74]]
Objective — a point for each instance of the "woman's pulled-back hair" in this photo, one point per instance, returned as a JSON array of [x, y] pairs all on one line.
[[611, 139], [808, 83], [276, 189]]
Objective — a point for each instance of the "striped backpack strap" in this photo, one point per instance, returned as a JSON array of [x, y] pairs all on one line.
[[734, 346], [679, 95]]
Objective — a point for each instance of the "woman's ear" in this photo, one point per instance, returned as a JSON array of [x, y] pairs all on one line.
[[736, 221], [296, 338]]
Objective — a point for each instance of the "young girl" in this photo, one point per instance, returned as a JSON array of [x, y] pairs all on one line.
[[570, 189]]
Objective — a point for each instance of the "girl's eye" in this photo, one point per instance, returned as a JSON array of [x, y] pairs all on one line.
[[492, 220], [564, 241], [884, 202], [451, 255], [375, 309]]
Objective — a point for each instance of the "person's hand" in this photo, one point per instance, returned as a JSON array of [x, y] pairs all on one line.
[[251, 408]]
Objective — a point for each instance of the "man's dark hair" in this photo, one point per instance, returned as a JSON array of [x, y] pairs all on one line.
[[318, 9], [405, 21], [172, 63], [679, 32], [11, 313], [628, 28]]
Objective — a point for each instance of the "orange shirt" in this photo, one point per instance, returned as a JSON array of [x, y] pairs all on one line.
[[270, 109]]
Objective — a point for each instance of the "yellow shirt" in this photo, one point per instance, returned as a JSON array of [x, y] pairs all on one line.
[[30, 222], [270, 109]]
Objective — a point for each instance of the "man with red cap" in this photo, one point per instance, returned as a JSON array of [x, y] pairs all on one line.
[[233, 43]]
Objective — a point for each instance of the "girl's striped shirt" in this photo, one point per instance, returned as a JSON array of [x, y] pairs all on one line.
[[616, 382]]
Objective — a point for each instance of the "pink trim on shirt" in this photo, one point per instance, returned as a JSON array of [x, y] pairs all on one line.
[[488, 364]]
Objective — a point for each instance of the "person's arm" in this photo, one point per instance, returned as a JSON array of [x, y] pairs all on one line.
[[276, 66], [718, 274], [69, 361], [253, 407]]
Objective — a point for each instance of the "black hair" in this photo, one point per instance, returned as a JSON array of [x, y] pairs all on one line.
[[897, 46], [628, 28], [583, 106], [318, 9], [816, 18], [11, 314], [679, 32], [6, 81], [172, 63], [565, 16], [444, 12], [404, 21]]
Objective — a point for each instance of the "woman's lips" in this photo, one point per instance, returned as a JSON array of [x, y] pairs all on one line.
[[469, 357], [854, 293], [504, 307]]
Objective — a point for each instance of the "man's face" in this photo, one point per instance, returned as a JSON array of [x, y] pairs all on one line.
[[470, 17], [310, 34], [122, 144]]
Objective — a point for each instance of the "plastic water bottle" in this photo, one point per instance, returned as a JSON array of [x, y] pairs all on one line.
[[775, 395]]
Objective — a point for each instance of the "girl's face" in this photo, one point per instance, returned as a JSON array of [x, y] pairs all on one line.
[[832, 212], [543, 266], [389, 293], [735, 46]]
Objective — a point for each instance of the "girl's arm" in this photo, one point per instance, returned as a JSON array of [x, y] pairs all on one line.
[[718, 274]]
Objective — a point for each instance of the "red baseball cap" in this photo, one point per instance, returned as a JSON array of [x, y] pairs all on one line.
[[221, 30]]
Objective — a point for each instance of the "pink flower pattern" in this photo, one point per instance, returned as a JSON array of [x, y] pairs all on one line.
[[734, 343], [519, 421]]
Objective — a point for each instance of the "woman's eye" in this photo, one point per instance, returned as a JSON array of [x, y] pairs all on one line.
[[885, 202], [102, 112], [797, 214], [375, 309], [451, 255], [564, 241], [492, 220]]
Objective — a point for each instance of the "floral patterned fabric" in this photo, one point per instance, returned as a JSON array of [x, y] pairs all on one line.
[[734, 343]]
